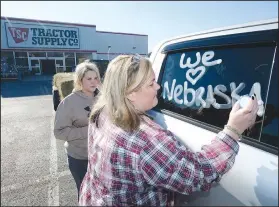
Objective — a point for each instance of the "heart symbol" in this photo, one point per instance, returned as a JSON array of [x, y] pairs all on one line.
[[193, 71]]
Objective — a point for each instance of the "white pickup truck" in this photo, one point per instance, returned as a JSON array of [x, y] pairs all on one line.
[[201, 76]]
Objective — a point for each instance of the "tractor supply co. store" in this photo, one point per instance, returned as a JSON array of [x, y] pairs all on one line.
[[39, 47]]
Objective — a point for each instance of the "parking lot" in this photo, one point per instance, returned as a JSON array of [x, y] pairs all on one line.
[[34, 167]]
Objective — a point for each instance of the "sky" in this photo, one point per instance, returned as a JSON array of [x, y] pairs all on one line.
[[158, 19]]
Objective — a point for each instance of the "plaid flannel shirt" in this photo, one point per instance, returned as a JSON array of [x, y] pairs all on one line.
[[140, 168]]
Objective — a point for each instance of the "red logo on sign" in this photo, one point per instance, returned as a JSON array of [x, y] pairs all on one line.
[[19, 34]]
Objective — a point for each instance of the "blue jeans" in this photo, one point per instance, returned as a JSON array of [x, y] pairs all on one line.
[[78, 169]]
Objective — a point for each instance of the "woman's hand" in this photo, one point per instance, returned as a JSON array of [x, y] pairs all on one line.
[[242, 118]]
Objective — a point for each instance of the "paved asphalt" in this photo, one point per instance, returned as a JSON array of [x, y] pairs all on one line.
[[34, 168]]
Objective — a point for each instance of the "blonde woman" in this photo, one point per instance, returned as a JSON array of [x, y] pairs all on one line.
[[71, 118], [132, 160]]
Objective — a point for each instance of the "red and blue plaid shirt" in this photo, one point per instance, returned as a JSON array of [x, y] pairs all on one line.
[[140, 168]]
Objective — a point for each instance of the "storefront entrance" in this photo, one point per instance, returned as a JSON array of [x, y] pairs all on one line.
[[48, 67]]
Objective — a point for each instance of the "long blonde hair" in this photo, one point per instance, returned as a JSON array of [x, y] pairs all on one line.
[[80, 72], [125, 74]]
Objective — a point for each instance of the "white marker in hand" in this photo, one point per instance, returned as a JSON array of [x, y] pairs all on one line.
[[244, 100]]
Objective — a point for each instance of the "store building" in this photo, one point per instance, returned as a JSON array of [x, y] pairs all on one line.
[[47, 47]]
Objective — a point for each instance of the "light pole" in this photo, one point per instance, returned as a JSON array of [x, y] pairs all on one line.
[[108, 51]]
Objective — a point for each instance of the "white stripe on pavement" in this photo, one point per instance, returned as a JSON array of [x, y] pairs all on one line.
[[53, 188]]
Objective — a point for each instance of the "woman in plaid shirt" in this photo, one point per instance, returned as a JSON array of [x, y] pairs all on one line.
[[132, 160]]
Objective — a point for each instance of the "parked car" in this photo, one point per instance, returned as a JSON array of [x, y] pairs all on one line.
[[201, 76]]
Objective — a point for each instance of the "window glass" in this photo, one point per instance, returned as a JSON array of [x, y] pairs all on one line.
[[7, 58], [55, 54], [70, 69], [80, 57], [204, 84], [68, 55], [22, 63], [37, 54], [35, 63], [21, 54], [59, 69], [7, 54], [7, 64], [70, 62], [59, 62], [270, 123]]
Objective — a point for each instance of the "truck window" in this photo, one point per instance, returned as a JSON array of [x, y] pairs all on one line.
[[203, 84]]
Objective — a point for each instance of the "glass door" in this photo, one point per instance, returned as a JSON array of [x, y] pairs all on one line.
[[36, 66], [60, 65]]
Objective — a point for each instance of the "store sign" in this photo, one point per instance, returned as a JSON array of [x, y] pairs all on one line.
[[41, 36]]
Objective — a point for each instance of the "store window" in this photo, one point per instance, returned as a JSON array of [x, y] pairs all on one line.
[[21, 60], [69, 61], [37, 54], [80, 57], [69, 55], [21, 54], [203, 84], [35, 66], [59, 66], [22, 63], [8, 68], [8, 57], [55, 54]]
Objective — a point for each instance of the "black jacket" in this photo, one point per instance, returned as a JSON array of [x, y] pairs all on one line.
[[56, 99]]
